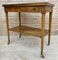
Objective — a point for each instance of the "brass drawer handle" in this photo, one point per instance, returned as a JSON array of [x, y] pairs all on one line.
[[34, 9]]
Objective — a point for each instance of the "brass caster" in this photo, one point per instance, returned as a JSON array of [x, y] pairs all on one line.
[[42, 56], [19, 36], [48, 44], [8, 43]]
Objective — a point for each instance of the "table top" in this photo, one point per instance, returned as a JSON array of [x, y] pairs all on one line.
[[29, 4]]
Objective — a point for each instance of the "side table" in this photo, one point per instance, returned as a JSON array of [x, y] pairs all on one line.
[[41, 7]]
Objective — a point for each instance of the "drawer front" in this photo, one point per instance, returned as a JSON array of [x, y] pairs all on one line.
[[29, 9], [36, 9], [22, 9]]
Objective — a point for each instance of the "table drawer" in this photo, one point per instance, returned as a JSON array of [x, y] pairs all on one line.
[[22, 9], [29, 9]]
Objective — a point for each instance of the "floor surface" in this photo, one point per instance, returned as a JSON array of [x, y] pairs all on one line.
[[28, 48]]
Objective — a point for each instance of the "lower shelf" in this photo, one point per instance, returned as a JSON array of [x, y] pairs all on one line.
[[29, 30]]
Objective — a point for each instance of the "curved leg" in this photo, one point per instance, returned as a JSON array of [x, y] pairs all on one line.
[[50, 21], [7, 24], [20, 24], [42, 34]]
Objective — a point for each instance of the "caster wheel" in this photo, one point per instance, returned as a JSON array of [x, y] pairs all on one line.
[[8, 43], [42, 56], [19, 36], [48, 44]]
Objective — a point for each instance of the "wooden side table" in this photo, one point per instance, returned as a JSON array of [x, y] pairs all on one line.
[[43, 8]]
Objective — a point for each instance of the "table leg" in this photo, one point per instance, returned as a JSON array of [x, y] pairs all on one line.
[[7, 24], [20, 24], [50, 21], [42, 34]]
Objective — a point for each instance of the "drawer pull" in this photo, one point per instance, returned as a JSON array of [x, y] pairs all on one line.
[[34, 9]]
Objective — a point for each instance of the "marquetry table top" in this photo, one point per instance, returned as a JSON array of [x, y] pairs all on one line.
[[30, 4]]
